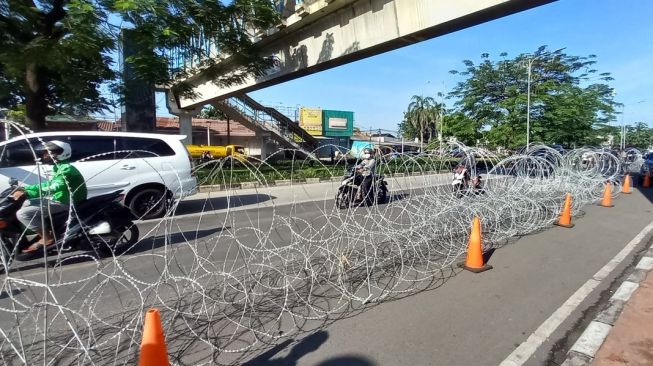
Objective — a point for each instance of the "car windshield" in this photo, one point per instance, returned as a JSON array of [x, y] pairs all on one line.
[[240, 149]]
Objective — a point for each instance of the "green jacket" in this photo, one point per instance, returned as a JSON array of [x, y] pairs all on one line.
[[57, 188]]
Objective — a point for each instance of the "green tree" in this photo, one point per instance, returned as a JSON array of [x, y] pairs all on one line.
[[211, 112], [569, 99], [461, 127], [55, 55], [422, 118]]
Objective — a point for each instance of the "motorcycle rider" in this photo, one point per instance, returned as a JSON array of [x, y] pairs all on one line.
[[462, 180], [460, 176], [66, 187], [365, 172]]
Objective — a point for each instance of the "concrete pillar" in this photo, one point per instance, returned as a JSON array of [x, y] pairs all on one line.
[[185, 117], [264, 137], [186, 127]]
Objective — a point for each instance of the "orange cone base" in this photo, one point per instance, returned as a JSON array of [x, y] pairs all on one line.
[[602, 205], [475, 270], [564, 225], [624, 192]]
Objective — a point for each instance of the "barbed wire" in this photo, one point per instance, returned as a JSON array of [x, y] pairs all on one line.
[[283, 268]]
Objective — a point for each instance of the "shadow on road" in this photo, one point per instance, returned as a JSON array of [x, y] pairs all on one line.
[[220, 203], [346, 361], [158, 241], [146, 244], [399, 196], [305, 346], [638, 180]]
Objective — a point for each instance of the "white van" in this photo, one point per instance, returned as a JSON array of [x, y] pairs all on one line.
[[146, 167]]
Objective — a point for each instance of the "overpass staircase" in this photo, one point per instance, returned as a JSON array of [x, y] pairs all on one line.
[[286, 132]]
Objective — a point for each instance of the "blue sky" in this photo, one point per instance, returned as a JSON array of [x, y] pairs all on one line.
[[378, 89]]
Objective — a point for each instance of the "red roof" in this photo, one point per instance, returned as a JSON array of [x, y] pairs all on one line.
[[217, 126]]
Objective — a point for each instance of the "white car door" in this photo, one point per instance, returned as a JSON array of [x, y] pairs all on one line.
[[17, 160], [94, 156], [149, 158]]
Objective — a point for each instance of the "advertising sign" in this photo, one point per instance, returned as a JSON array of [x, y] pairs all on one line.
[[338, 123], [310, 119]]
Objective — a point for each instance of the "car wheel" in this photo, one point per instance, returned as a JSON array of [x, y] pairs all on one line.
[[148, 203]]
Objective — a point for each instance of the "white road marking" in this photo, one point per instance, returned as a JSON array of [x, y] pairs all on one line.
[[525, 350]]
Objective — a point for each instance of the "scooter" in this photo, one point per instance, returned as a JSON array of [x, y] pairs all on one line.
[[350, 191], [101, 224], [462, 184]]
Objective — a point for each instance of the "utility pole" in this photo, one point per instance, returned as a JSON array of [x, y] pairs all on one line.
[[528, 105]]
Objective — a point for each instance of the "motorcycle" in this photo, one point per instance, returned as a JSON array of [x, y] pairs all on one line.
[[101, 224], [463, 185], [350, 191]]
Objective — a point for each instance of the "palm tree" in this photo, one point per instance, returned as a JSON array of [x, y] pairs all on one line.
[[420, 114]]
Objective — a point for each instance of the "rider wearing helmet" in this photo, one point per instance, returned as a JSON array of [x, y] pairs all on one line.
[[366, 171], [65, 188]]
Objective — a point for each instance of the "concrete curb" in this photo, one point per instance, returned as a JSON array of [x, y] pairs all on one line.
[[288, 182], [583, 351]]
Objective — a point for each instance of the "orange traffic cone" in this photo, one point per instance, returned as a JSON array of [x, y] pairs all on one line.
[[626, 187], [565, 216], [474, 261], [607, 196], [153, 345], [647, 180]]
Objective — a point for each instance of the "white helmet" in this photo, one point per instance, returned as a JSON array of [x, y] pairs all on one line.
[[367, 153], [60, 150]]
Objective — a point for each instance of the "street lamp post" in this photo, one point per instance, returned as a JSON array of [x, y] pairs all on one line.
[[528, 104]]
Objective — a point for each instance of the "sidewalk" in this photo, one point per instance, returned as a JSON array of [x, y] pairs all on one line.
[[631, 340], [622, 334]]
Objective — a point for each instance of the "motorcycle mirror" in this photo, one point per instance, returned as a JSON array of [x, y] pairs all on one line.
[[13, 181]]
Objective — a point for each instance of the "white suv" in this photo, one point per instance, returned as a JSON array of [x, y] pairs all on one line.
[[150, 169]]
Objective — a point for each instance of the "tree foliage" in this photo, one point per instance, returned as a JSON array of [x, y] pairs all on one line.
[[211, 112], [639, 135], [422, 118], [570, 100], [55, 55]]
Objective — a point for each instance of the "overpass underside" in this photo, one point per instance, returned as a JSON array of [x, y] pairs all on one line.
[[324, 34]]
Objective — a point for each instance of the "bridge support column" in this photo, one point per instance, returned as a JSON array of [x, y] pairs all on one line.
[[186, 126], [185, 117], [264, 138]]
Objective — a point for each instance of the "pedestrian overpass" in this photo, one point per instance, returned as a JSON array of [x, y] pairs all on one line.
[[317, 35]]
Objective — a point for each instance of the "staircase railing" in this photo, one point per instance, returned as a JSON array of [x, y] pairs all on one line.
[[266, 121]]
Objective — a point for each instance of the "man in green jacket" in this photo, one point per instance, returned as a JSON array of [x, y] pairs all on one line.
[[65, 188]]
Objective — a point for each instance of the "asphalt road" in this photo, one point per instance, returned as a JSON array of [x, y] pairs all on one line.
[[479, 319], [462, 319]]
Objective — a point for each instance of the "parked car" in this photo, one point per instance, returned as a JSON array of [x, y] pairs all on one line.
[[152, 170]]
